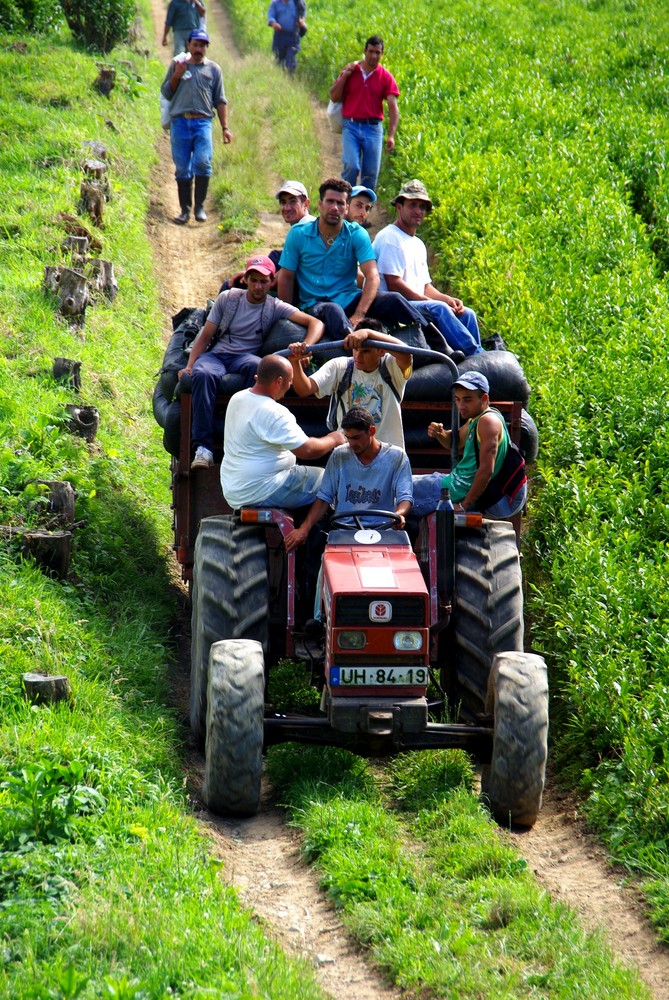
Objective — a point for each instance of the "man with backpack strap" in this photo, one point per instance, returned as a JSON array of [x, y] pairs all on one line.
[[372, 379], [490, 476], [241, 318]]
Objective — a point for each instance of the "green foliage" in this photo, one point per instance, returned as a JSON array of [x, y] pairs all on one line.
[[35, 16], [99, 24]]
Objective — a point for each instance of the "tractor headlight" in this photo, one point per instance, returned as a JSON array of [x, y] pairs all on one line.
[[351, 640], [404, 641]]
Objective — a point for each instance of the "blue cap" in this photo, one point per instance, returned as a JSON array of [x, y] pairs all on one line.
[[198, 35], [474, 380], [359, 189]]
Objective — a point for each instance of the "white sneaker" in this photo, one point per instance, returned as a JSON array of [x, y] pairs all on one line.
[[203, 459]]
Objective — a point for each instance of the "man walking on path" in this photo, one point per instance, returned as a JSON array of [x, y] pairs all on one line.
[[194, 88], [286, 17], [324, 256], [402, 263], [241, 319], [263, 441], [362, 87], [183, 16]]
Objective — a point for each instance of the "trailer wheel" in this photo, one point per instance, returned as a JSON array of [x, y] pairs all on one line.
[[487, 613], [235, 709], [230, 599], [513, 782]]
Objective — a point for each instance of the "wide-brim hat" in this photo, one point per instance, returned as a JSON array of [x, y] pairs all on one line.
[[414, 191]]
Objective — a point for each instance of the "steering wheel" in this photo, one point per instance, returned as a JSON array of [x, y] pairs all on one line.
[[390, 519]]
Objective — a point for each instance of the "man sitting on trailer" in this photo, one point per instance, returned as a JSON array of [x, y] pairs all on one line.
[[240, 320], [263, 442], [484, 440], [373, 378]]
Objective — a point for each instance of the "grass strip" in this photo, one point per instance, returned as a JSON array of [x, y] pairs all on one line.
[[427, 884]]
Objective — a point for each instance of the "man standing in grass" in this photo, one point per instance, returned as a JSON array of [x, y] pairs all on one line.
[[183, 16], [240, 319], [286, 17], [194, 88], [402, 263], [362, 87]]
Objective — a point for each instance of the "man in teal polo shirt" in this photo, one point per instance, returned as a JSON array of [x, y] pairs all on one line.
[[324, 256]]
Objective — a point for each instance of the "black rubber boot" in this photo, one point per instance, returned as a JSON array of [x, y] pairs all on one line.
[[185, 189], [201, 185]]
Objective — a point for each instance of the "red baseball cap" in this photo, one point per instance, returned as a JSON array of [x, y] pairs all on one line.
[[262, 264]]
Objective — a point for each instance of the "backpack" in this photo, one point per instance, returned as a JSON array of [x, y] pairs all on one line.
[[336, 399], [508, 480], [229, 312]]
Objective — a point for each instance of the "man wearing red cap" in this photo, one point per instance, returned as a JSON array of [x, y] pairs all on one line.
[[241, 318]]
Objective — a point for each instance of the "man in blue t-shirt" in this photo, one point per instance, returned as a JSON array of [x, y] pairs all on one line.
[[363, 473], [286, 18]]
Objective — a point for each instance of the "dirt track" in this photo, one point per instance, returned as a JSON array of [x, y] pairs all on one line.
[[261, 855]]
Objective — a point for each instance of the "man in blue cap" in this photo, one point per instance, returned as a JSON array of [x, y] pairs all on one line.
[[484, 442], [194, 88], [360, 205]]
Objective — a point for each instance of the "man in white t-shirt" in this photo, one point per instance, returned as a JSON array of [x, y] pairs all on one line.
[[402, 262], [373, 379], [262, 442], [243, 319]]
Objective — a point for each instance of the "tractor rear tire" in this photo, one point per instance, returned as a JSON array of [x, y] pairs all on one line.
[[230, 599], [235, 710], [488, 610], [513, 782]]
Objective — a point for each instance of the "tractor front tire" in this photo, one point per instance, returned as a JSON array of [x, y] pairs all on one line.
[[230, 599], [488, 610], [235, 711], [513, 782]]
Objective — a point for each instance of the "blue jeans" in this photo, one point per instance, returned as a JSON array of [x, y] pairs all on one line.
[[389, 307], [427, 493], [461, 332], [361, 148], [285, 46], [208, 371], [192, 147], [298, 490]]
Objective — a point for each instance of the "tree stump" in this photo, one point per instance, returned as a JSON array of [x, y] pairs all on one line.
[[61, 499], [43, 690], [84, 420], [66, 368], [92, 200], [78, 247], [94, 168], [102, 277], [97, 148], [51, 550], [106, 79], [52, 278], [72, 292]]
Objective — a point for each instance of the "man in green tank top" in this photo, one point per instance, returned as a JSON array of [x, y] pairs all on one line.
[[479, 424]]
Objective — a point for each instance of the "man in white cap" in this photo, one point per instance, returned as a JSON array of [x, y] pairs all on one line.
[[241, 318], [294, 203], [193, 86], [484, 441], [402, 261]]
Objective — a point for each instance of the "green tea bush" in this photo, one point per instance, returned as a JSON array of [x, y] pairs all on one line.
[[33, 16], [99, 24]]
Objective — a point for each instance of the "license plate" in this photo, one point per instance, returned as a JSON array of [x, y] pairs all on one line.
[[378, 676]]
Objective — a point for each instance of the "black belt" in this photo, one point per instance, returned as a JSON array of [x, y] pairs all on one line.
[[364, 121]]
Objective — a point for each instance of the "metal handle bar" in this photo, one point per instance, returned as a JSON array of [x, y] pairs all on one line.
[[384, 345]]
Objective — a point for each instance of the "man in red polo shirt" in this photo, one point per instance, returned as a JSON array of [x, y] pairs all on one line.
[[362, 87]]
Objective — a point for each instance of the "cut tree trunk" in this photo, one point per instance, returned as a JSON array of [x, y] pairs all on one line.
[[43, 690], [61, 499], [84, 420], [66, 368], [51, 550], [103, 279], [72, 292]]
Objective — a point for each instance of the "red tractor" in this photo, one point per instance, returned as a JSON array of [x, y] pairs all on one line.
[[414, 633]]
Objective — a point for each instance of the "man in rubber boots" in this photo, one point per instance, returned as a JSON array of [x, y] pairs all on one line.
[[194, 88], [402, 261]]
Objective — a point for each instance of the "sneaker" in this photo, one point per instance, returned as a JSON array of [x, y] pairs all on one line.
[[203, 459]]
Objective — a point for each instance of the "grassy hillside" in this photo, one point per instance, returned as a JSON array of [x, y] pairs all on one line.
[[541, 131]]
